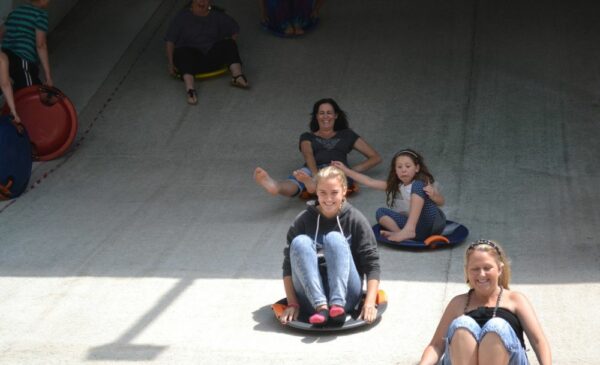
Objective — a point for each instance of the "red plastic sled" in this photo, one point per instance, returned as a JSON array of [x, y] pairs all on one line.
[[50, 119]]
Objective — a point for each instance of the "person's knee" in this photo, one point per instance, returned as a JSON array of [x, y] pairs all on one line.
[[498, 326], [334, 240], [463, 334], [497, 331], [491, 346], [381, 212], [301, 243], [462, 324]]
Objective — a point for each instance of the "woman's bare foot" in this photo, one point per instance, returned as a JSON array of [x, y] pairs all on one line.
[[263, 179], [307, 180], [289, 30], [398, 236]]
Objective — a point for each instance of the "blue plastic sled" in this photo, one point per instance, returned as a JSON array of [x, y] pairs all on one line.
[[454, 232], [15, 159]]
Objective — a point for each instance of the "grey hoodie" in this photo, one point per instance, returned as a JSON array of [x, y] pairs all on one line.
[[356, 229]]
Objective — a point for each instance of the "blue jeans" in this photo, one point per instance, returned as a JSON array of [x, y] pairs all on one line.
[[499, 326], [338, 284]]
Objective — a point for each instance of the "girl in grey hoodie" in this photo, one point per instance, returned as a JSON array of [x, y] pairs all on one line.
[[331, 249]]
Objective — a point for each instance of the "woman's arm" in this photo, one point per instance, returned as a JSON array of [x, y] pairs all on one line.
[[533, 329], [170, 49], [369, 152], [292, 310], [317, 8], [435, 349], [42, 50], [369, 309], [263, 11], [360, 178], [309, 157]]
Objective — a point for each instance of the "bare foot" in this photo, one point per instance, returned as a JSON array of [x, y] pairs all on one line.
[[307, 180], [398, 236], [289, 30], [263, 179]]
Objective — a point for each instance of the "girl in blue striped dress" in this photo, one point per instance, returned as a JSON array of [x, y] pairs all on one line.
[[412, 198]]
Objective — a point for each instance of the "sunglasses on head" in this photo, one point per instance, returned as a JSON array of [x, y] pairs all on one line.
[[486, 243]]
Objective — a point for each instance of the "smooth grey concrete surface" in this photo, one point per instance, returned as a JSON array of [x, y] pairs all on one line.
[[150, 243]]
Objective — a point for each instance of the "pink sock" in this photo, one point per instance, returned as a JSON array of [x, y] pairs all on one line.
[[336, 311], [317, 318]]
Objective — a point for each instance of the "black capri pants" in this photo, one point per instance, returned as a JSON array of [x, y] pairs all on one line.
[[192, 61]]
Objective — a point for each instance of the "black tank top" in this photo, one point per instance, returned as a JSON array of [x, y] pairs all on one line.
[[483, 314]]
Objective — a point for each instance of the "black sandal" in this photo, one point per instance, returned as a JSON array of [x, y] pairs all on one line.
[[192, 97], [235, 83]]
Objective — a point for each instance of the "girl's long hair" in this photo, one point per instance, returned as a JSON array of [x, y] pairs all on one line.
[[393, 182]]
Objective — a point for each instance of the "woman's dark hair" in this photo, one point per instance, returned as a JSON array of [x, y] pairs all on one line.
[[211, 6], [340, 123], [393, 182]]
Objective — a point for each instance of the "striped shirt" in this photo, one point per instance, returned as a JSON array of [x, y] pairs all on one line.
[[21, 26]]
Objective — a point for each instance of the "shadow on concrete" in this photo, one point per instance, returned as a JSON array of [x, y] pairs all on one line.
[[267, 322], [122, 349]]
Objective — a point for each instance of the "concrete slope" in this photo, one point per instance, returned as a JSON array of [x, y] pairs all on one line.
[[150, 243]]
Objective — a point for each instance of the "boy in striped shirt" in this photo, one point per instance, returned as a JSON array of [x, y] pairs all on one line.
[[23, 38]]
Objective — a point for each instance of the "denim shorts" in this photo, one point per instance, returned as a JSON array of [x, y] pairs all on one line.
[[300, 185], [517, 354]]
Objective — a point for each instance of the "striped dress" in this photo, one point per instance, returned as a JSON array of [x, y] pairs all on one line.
[[21, 25]]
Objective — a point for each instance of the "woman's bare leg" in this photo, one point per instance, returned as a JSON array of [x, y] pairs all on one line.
[[389, 224], [192, 97], [307, 180], [463, 348], [285, 187], [492, 350], [236, 70]]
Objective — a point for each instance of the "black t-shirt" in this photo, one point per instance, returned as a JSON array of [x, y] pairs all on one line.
[[189, 30], [335, 148]]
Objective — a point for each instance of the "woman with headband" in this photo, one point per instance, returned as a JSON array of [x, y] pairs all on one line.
[[486, 325]]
